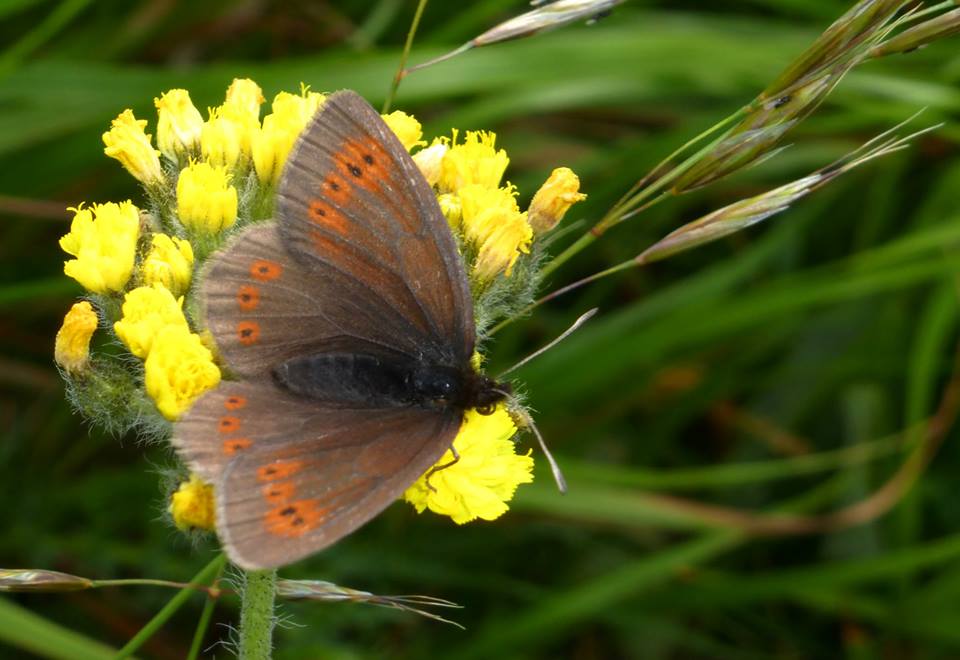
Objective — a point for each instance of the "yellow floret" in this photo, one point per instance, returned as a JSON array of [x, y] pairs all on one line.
[[406, 128], [192, 505], [492, 221], [103, 238], [128, 142], [475, 161], [178, 125], [72, 346], [146, 311], [206, 202], [169, 263], [273, 142], [178, 369], [555, 197]]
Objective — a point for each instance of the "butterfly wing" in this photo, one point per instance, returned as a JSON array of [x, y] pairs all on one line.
[[354, 209], [263, 307], [360, 251], [360, 258], [293, 477]]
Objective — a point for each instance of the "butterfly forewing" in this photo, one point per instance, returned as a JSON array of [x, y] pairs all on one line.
[[264, 307], [353, 202]]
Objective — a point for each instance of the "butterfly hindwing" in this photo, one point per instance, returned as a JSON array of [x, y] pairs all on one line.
[[291, 477], [353, 206]]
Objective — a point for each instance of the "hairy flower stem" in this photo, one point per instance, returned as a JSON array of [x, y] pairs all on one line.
[[256, 614]]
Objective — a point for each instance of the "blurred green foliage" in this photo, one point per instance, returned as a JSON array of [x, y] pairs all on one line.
[[778, 369]]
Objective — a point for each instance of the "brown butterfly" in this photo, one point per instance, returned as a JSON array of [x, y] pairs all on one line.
[[349, 323]]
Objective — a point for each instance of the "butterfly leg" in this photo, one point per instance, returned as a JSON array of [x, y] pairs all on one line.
[[437, 468]]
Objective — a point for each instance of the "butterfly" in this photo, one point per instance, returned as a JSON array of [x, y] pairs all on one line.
[[348, 323]]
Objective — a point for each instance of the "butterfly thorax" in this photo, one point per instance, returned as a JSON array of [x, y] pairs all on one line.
[[376, 381]]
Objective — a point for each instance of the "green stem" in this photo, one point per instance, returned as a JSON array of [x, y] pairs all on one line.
[[645, 189], [403, 58], [256, 615], [205, 575], [134, 582], [204, 621]]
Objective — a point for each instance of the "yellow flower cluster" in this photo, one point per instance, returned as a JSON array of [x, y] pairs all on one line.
[[178, 368], [467, 176], [192, 505], [483, 480], [205, 176]]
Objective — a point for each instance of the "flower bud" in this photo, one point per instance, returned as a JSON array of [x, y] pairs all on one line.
[[555, 197], [192, 505], [72, 345], [169, 263], [406, 128], [206, 202], [179, 125], [430, 161], [127, 142]]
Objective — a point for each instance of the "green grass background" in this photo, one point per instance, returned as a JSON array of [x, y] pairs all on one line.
[[773, 369]]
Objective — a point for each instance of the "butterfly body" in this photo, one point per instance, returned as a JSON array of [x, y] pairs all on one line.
[[348, 324], [379, 381]]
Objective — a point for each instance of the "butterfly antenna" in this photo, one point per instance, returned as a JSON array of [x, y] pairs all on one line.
[[530, 424], [566, 333]]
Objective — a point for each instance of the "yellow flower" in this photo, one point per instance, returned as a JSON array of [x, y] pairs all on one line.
[[103, 239], [406, 127], [226, 139], [178, 369], [555, 197], [451, 208], [476, 161], [226, 136], [273, 142], [146, 311], [245, 95], [178, 125], [206, 202], [430, 160], [492, 221], [169, 263], [485, 478], [127, 142], [72, 346], [192, 505]]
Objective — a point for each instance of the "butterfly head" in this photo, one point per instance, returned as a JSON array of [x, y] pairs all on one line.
[[485, 393], [463, 389]]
